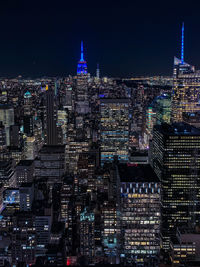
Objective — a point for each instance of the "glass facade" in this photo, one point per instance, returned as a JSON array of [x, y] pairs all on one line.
[[114, 129], [176, 161]]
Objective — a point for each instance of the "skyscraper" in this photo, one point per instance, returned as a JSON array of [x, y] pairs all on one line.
[[51, 118], [114, 129], [7, 118], [82, 104], [82, 64], [186, 85], [176, 161], [139, 215], [98, 72]]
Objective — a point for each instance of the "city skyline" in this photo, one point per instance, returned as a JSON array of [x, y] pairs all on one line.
[[132, 40], [99, 133]]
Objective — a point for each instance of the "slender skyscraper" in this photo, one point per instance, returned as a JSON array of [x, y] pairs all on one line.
[[182, 45], [82, 64], [98, 71], [51, 118], [186, 85], [82, 104]]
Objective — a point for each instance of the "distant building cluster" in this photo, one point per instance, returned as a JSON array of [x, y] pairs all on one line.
[[100, 171]]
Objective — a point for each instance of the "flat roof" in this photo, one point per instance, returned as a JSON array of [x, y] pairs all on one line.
[[114, 100], [25, 163], [52, 149], [136, 173], [180, 128]]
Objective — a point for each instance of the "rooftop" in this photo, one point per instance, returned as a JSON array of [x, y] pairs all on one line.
[[136, 173], [181, 128], [52, 149], [25, 163], [114, 100], [5, 106]]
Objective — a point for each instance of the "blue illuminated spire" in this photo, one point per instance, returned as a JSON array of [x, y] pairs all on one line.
[[182, 45], [82, 57], [82, 64]]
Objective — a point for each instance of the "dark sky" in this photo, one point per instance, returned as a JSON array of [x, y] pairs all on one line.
[[127, 38]]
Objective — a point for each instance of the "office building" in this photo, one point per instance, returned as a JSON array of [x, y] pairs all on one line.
[[50, 163], [2, 137], [186, 85], [82, 101], [24, 172], [139, 214], [7, 118], [23, 238], [51, 118], [26, 193], [114, 129], [175, 156], [7, 174]]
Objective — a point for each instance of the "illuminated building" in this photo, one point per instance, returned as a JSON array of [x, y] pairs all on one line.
[[97, 72], [157, 113], [66, 203], [186, 85], [82, 101], [175, 156], [110, 232], [27, 103], [24, 171], [150, 119], [192, 118], [7, 118], [7, 175], [162, 107], [51, 118], [82, 64], [29, 148], [114, 129], [139, 215], [181, 252], [26, 193], [2, 137], [11, 200], [62, 126], [150, 122], [69, 98], [16, 153], [87, 230], [73, 149], [23, 238], [43, 229], [50, 163], [86, 170], [1, 196]]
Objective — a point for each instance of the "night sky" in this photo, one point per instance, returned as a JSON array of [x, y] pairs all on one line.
[[129, 38]]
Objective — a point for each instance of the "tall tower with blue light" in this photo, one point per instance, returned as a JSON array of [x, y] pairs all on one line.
[[182, 45], [82, 64], [185, 93]]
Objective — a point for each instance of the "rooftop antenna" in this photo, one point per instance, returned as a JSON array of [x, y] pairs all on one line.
[[182, 44], [82, 58]]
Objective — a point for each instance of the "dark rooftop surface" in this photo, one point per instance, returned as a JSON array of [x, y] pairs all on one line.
[[137, 173], [178, 129], [25, 163], [52, 149], [5, 106], [4, 163], [114, 100], [26, 185]]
